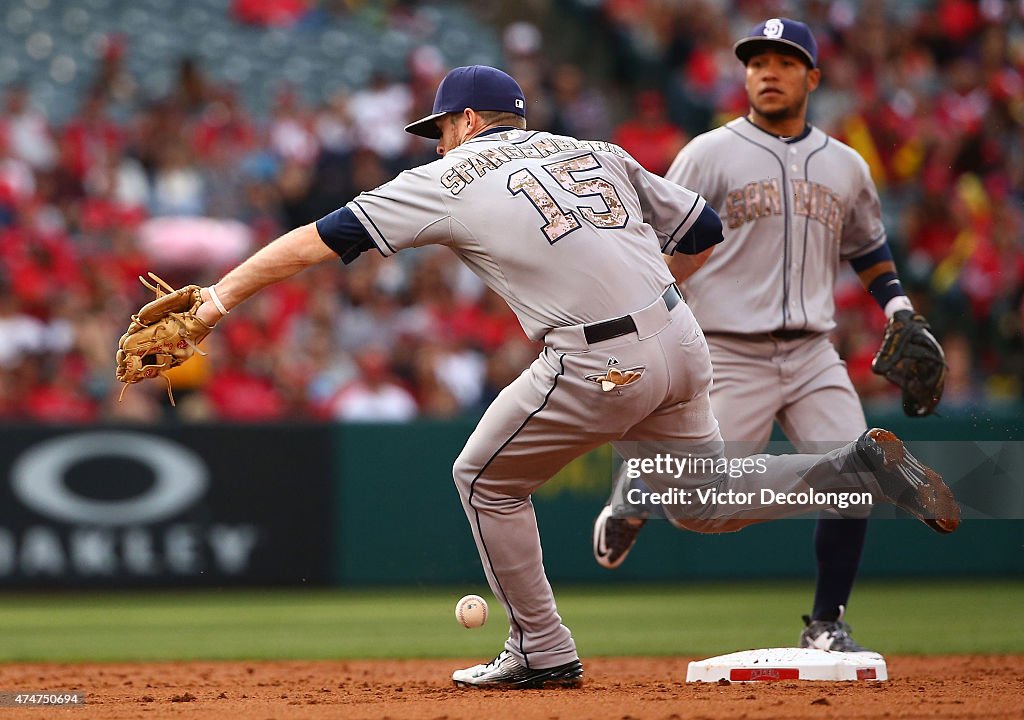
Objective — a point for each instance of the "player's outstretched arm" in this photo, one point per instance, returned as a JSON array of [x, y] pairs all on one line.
[[287, 255], [167, 331]]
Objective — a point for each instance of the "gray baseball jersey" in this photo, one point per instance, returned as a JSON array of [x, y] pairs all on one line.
[[792, 209], [571, 234], [529, 212]]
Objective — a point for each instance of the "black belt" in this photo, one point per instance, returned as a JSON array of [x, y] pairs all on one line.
[[790, 334], [774, 335], [608, 329]]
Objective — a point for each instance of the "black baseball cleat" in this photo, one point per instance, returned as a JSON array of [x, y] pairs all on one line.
[[506, 673], [831, 635], [614, 537], [907, 482]]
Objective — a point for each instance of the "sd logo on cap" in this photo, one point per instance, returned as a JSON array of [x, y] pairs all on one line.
[[778, 33]]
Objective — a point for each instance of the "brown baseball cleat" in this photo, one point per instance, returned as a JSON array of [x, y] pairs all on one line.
[[907, 482]]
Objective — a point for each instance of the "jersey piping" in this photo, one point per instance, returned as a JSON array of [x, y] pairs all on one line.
[[786, 230], [476, 512], [671, 237], [391, 250], [807, 225], [863, 249], [484, 136], [788, 140]]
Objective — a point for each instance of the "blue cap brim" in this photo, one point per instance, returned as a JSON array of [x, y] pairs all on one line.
[[746, 49], [426, 127]]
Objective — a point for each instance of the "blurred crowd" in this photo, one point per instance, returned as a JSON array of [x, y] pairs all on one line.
[[930, 93]]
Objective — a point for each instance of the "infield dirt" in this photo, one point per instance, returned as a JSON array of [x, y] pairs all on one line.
[[977, 686]]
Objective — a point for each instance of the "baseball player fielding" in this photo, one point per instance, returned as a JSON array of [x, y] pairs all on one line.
[[573, 234]]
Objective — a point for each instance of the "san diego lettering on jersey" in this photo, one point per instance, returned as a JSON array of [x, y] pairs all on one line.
[[762, 198], [479, 162], [789, 205]]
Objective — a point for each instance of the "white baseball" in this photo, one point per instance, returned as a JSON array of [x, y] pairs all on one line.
[[471, 611]]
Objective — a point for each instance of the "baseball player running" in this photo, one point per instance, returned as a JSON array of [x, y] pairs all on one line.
[[571, 233], [794, 202]]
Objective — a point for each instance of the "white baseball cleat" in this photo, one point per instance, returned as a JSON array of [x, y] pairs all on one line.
[[505, 672]]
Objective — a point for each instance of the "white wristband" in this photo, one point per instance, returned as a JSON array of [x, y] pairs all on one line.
[[900, 302], [216, 301]]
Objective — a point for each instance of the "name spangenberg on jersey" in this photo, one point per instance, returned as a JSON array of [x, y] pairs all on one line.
[[793, 208], [520, 208]]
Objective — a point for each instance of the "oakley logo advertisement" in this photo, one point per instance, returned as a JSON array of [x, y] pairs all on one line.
[[160, 525], [39, 477]]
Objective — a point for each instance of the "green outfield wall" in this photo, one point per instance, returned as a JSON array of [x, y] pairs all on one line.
[[356, 505]]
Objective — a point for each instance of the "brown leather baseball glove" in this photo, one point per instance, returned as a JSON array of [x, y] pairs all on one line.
[[163, 334], [912, 358]]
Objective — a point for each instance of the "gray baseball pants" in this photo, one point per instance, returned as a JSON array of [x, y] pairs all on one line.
[[800, 382], [552, 413]]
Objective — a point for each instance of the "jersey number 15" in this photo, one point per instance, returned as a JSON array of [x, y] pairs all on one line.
[[559, 222]]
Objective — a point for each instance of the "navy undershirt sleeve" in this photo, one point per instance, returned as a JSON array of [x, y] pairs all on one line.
[[886, 286], [705, 232], [344, 234]]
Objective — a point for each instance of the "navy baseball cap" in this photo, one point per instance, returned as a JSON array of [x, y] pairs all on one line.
[[792, 33], [477, 86]]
